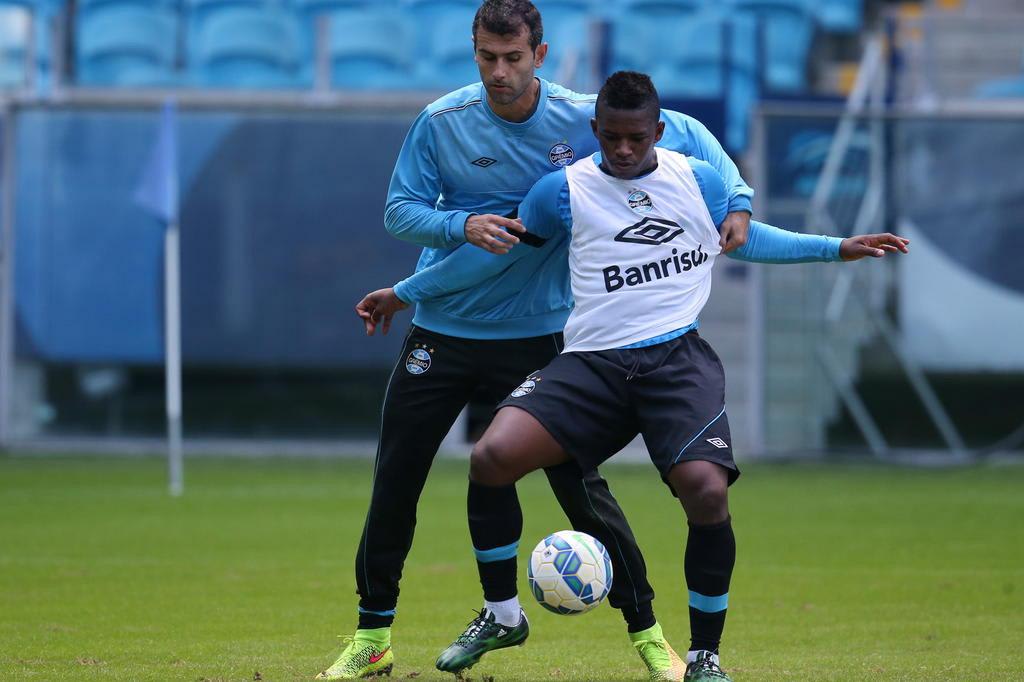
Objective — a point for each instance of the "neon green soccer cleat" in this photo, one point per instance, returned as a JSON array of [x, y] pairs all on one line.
[[367, 654], [705, 669], [662, 662], [482, 635]]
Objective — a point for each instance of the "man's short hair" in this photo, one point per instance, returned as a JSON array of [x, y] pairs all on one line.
[[507, 17], [629, 90]]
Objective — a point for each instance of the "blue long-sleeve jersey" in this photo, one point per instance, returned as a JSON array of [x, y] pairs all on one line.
[[460, 159], [546, 214]]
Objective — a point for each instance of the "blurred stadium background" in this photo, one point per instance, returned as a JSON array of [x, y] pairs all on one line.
[[845, 115]]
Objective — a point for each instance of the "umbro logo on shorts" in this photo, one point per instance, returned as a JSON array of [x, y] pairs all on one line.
[[718, 443], [484, 162], [650, 231]]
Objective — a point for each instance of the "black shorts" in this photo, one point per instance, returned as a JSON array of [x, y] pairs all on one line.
[[595, 402]]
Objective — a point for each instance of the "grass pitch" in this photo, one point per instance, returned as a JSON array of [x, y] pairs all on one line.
[[844, 573]]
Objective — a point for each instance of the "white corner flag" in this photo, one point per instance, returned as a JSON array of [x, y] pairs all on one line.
[[158, 193]]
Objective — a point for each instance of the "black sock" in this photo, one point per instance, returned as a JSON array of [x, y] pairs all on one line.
[[710, 556], [639, 617], [495, 524]]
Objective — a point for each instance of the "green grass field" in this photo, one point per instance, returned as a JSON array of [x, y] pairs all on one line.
[[844, 573]]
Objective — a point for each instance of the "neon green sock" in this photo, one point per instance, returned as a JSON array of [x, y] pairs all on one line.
[[653, 632], [375, 635]]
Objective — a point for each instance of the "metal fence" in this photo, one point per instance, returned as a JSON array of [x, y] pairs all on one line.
[[915, 353]]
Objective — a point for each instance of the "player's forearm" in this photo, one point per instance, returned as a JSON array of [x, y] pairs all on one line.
[[768, 244], [413, 221], [464, 268]]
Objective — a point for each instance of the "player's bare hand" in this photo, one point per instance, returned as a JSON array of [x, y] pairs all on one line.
[[378, 307], [873, 245], [734, 231], [493, 233]]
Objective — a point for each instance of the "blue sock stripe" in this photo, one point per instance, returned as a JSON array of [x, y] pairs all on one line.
[[497, 554], [707, 604], [377, 613]]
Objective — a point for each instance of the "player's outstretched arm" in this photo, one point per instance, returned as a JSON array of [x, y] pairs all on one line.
[[464, 268], [873, 246], [769, 244], [467, 267], [378, 307]]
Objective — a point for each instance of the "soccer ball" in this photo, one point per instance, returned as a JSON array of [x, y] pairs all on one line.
[[569, 572]]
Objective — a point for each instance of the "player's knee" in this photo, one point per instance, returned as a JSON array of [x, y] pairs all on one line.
[[707, 501], [704, 495], [490, 463]]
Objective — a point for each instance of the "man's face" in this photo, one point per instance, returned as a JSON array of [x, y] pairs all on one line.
[[507, 63], [626, 138]]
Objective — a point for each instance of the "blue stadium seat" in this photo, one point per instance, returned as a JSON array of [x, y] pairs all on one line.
[[128, 46], [83, 7], [309, 13], [841, 16], [662, 10], [370, 50], [42, 14], [707, 56], [448, 61], [787, 31], [15, 28], [246, 48], [199, 10], [567, 27], [645, 30], [1001, 88], [314, 7], [432, 16]]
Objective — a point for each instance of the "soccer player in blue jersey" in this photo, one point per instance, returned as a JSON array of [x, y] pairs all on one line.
[[466, 164], [641, 228]]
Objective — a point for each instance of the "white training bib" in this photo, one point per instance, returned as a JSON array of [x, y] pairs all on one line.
[[641, 255]]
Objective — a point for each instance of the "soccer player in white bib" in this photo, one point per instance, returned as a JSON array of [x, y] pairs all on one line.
[[641, 228]]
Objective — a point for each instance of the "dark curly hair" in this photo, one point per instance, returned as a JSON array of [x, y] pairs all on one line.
[[629, 90], [506, 17]]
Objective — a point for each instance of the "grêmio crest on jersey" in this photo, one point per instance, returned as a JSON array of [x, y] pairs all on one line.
[[640, 201], [561, 155]]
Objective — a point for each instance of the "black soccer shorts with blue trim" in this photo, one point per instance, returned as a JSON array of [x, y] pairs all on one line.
[[595, 402]]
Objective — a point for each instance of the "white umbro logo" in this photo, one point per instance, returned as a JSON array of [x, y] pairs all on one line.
[[718, 443]]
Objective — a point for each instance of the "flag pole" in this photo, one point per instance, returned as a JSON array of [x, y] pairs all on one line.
[[172, 364], [157, 193]]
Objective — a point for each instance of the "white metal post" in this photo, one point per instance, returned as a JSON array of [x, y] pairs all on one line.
[[756, 299], [172, 347], [7, 278]]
